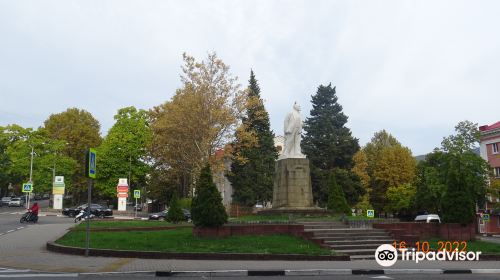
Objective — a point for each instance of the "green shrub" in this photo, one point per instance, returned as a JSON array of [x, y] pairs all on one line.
[[175, 214], [336, 199], [185, 202], [207, 209]]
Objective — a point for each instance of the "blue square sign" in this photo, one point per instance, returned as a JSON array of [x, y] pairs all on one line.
[[370, 213], [91, 163], [27, 188]]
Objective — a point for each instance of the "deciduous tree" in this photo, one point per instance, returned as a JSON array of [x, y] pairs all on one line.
[[80, 130], [200, 118], [124, 150]]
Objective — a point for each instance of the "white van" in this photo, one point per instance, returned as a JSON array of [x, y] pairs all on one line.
[[430, 218]]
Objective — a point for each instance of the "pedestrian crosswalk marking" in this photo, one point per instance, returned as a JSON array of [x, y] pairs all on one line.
[[25, 273]]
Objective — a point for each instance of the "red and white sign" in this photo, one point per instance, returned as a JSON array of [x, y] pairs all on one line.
[[123, 195], [122, 189]]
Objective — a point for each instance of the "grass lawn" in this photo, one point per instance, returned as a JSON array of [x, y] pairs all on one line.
[[182, 240], [120, 224], [483, 246]]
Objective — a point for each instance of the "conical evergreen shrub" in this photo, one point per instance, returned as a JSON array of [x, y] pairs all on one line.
[[207, 209], [175, 213], [336, 199]]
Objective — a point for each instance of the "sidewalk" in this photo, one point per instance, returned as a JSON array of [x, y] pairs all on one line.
[[494, 238], [26, 249]]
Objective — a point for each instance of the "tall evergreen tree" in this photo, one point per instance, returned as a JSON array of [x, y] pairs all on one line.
[[328, 144], [254, 153]]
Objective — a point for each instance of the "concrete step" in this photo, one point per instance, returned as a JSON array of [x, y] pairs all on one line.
[[355, 247], [351, 238], [354, 252], [362, 257], [318, 234], [360, 241], [319, 222], [315, 227], [347, 230]]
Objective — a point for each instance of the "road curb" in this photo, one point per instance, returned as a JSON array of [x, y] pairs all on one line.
[[53, 247], [318, 272]]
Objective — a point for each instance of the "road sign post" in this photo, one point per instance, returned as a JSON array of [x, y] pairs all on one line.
[[90, 172], [27, 188], [137, 194]]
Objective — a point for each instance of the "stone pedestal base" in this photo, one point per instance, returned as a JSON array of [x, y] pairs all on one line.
[[292, 185]]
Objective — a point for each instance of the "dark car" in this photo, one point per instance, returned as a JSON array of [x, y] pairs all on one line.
[[163, 214], [96, 209]]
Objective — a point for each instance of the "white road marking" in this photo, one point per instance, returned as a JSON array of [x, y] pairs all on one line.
[[51, 275], [9, 231], [20, 228]]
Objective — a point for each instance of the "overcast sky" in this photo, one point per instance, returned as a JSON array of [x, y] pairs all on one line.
[[414, 68]]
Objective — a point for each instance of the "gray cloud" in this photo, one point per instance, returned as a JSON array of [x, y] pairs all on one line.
[[415, 68]]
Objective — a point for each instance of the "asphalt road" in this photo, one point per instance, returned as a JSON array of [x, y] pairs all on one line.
[[10, 216], [35, 275]]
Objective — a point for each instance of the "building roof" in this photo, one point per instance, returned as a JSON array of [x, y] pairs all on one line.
[[490, 127]]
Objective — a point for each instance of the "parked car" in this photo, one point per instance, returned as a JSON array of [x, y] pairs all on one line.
[[5, 200], [163, 215], [96, 209], [17, 202], [429, 218], [138, 206], [45, 196], [38, 197]]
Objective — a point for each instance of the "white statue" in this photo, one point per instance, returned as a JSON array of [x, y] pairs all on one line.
[[293, 129]]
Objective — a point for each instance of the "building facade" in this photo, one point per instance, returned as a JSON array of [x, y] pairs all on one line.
[[489, 150]]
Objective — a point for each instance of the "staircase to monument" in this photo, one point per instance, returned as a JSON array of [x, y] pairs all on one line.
[[356, 243]]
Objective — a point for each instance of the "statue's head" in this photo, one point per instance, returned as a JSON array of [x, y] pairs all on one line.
[[296, 106]]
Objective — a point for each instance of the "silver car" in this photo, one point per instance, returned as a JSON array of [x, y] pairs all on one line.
[[18, 202], [5, 200]]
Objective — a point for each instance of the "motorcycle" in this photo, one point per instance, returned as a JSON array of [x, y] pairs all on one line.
[[83, 215], [29, 217]]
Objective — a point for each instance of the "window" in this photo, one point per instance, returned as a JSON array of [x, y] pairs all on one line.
[[495, 148], [497, 172]]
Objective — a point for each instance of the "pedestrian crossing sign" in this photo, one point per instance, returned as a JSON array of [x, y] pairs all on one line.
[[370, 213], [137, 194], [486, 217], [27, 187]]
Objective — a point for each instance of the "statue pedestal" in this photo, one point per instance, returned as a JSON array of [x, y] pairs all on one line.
[[292, 184], [292, 192]]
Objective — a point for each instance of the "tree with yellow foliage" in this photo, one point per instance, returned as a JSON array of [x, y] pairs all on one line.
[[199, 119]]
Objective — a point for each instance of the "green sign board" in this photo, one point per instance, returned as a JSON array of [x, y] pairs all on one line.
[[370, 213], [90, 164], [486, 217], [137, 194], [27, 187]]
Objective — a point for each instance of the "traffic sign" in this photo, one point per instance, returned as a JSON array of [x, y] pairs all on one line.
[[370, 213], [137, 194], [27, 187], [90, 164], [486, 217]]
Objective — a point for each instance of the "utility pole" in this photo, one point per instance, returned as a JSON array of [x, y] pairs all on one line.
[[31, 177], [129, 172]]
